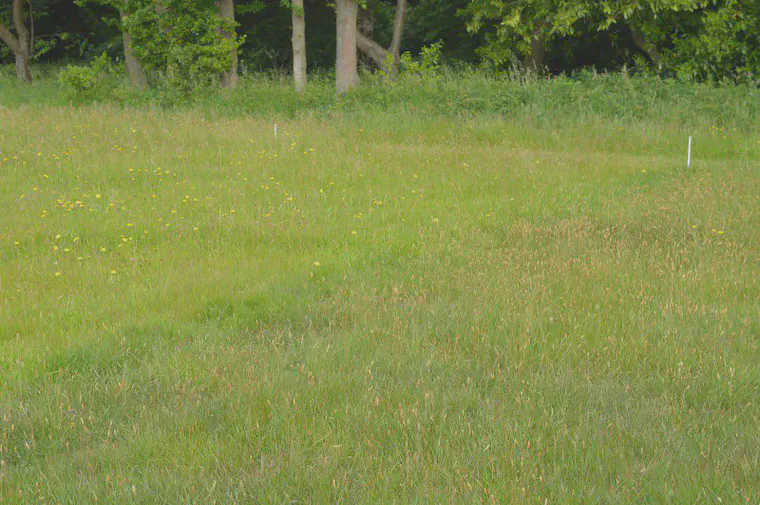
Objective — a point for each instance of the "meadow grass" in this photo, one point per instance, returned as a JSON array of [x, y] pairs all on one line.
[[377, 308]]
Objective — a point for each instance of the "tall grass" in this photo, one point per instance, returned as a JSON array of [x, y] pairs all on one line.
[[586, 96]]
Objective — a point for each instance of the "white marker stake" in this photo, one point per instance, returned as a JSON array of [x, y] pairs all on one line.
[[688, 161], [275, 133]]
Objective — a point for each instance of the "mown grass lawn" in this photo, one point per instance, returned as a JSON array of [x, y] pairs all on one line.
[[376, 310]]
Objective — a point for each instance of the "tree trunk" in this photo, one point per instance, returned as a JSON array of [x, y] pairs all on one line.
[[134, 69], [534, 60], [378, 54], [644, 46], [398, 31], [229, 78], [23, 68], [20, 44], [346, 73], [299, 45]]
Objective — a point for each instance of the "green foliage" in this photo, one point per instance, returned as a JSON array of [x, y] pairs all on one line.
[[697, 39], [250, 7], [44, 46], [179, 43]]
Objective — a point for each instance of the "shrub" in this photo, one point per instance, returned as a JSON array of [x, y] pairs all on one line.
[[78, 79], [428, 63], [182, 44]]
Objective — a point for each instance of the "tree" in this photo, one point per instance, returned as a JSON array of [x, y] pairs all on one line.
[[21, 43], [187, 42], [346, 73], [299, 45], [387, 59], [718, 41], [727, 45], [229, 78]]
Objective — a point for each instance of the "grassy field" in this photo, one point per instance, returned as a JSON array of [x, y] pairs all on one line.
[[399, 308]]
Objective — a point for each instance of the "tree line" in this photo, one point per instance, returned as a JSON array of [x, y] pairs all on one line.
[[187, 42]]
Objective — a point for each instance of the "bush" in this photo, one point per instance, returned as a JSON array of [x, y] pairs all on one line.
[[426, 66], [78, 79]]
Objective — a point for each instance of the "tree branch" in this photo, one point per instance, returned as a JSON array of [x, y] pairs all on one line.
[[372, 49], [8, 38]]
